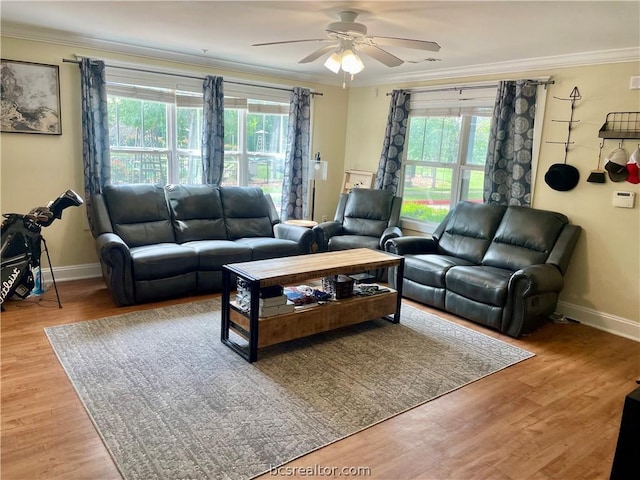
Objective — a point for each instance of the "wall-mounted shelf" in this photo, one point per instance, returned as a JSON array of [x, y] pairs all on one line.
[[357, 179], [621, 125]]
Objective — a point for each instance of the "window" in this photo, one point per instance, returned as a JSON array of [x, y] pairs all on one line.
[[445, 154], [255, 144], [155, 137]]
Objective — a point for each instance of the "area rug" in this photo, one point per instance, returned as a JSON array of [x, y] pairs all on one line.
[[171, 401]]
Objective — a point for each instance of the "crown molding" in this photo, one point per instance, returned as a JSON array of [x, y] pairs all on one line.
[[500, 68], [518, 66], [22, 32]]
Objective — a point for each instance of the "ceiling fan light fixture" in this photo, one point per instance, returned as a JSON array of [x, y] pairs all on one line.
[[351, 63], [333, 63]]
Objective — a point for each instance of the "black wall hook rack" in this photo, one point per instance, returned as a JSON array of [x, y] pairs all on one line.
[[573, 97]]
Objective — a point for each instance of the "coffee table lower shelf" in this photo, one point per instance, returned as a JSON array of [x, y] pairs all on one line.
[[310, 320]]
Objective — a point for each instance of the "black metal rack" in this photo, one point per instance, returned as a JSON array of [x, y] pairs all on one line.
[[621, 125]]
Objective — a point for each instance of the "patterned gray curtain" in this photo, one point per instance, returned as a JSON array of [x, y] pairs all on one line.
[[294, 185], [388, 174], [507, 174], [213, 131], [95, 130]]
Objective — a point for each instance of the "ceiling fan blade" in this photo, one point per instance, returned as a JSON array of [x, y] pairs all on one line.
[[407, 43], [380, 55], [318, 53], [292, 41]]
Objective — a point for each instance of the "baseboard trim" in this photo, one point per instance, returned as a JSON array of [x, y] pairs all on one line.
[[602, 321], [620, 326], [73, 272]]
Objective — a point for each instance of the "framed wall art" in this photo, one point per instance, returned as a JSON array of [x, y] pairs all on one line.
[[30, 98]]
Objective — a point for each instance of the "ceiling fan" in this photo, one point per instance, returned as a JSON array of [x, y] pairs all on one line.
[[347, 37]]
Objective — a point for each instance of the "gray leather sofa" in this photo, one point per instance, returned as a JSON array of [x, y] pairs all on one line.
[[502, 267], [155, 243]]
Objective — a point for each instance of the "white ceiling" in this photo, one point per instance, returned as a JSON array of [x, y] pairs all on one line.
[[476, 36]]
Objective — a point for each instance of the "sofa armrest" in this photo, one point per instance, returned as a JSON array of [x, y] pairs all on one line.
[[388, 234], [115, 259], [411, 245], [538, 279], [324, 231], [533, 293], [561, 253], [303, 236]]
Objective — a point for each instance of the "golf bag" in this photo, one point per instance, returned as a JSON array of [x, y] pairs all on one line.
[[22, 245]]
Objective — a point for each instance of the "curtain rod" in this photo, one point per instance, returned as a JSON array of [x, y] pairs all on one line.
[[475, 87], [182, 75]]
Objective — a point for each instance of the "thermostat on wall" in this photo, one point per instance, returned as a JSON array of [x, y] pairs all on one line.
[[623, 199]]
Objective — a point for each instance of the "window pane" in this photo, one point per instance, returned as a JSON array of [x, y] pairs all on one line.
[[415, 142], [434, 139], [128, 128], [112, 113], [268, 174], [264, 133], [189, 126], [472, 185], [231, 172], [189, 168], [478, 140], [155, 124], [139, 167], [231, 131], [427, 193]]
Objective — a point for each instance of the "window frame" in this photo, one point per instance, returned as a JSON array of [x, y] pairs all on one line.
[[458, 168], [189, 93], [449, 99]]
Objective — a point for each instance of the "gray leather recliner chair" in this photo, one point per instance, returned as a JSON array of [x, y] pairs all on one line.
[[364, 219]]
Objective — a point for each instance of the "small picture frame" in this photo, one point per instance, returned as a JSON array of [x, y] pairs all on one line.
[[30, 98]]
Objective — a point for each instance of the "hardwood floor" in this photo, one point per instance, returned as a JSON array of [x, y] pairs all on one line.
[[555, 416]]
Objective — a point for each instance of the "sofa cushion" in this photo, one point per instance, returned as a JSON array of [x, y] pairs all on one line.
[[429, 269], [483, 284], [525, 237], [162, 260], [246, 212], [146, 224], [347, 242], [469, 230], [212, 254], [367, 212], [265, 247], [479, 312], [196, 212]]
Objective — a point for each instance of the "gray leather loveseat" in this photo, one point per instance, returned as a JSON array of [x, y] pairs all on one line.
[[502, 267], [154, 243]]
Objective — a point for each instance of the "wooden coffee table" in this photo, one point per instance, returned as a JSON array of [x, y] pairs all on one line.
[[260, 332]]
